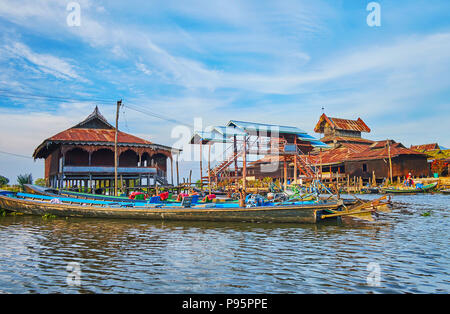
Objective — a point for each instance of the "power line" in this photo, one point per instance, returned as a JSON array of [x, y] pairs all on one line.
[[155, 115], [17, 155]]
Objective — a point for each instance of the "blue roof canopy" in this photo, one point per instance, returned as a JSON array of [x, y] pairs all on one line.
[[201, 137], [251, 126]]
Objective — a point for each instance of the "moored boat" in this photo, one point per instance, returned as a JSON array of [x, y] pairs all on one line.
[[293, 212], [410, 190]]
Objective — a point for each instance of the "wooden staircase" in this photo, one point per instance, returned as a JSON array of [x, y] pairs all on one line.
[[218, 169], [305, 167]]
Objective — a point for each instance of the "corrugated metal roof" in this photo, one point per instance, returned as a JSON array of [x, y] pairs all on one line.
[[344, 140], [341, 124], [229, 131], [206, 137], [97, 135], [251, 126], [425, 147], [378, 150], [94, 136]]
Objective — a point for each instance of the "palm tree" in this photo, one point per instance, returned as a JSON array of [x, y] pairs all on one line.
[[23, 179]]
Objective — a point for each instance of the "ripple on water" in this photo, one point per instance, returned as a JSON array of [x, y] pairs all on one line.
[[122, 256]]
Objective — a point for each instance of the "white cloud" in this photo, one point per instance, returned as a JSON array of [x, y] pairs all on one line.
[[45, 63]]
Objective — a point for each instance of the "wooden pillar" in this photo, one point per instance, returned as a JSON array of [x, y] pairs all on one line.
[[116, 163], [285, 172], [201, 171], [235, 159], [190, 180], [209, 167], [178, 174], [390, 162], [171, 169], [244, 168], [295, 160]]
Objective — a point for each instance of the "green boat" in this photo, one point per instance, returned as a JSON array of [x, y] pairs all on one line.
[[410, 190]]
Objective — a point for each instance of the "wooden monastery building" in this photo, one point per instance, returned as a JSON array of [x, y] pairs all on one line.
[[82, 157], [351, 154]]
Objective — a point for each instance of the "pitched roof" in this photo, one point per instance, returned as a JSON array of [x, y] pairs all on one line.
[[344, 140], [96, 135], [425, 147], [378, 150], [251, 126], [94, 130], [341, 124], [95, 115]]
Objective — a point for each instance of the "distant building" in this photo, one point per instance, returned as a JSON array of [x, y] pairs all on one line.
[[343, 132], [351, 155], [83, 157], [425, 147], [438, 157]]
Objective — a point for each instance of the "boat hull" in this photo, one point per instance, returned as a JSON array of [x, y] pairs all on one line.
[[278, 214], [426, 188]]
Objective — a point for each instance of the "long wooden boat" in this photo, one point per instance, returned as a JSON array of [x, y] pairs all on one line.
[[70, 207], [411, 190], [35, 189]]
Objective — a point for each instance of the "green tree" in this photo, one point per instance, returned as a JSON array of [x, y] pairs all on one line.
[[3, 181], [40, 182], [23, 179]]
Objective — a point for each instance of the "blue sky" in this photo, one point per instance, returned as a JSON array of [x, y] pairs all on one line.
[[275, 62]]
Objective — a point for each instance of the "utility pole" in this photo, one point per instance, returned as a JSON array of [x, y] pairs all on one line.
[[119, 103], [390, 161]]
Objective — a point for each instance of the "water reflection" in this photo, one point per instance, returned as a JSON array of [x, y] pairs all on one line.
[[135, 256]]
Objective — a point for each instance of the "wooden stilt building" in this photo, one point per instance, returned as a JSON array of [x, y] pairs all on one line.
[[82, 158]]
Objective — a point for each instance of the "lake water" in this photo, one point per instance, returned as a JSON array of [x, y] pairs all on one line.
[[406, 250]]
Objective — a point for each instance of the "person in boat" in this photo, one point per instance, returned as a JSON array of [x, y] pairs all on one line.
[[409, 180]]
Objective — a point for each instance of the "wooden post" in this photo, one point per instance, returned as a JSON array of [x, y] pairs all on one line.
[[201, 166], [285, 173], [119, 103], [171, 169], [244, 168], [235, 160], [190, 180], [178, 174], [209, 167], [348, 183], [390, 162], [295, 160]]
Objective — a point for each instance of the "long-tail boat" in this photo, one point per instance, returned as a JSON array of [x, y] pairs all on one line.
[[292, 212], [410, 190], [35, 189]]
